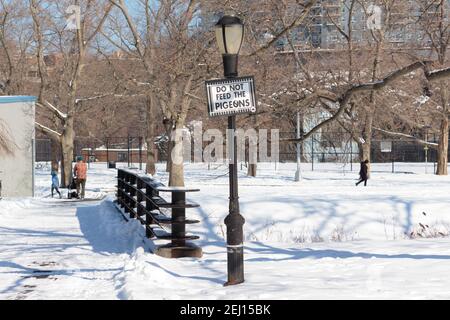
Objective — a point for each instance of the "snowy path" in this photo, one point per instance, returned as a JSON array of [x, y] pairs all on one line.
[[85, 250], [54, 251]]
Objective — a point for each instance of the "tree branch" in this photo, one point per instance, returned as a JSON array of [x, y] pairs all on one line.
[[403, 135], [47, 105], [307, 8], [345, 97], [51, 133]]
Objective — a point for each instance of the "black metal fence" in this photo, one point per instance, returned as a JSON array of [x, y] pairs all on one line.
[[43, 150], [129, 150], [340, 147], [139, 197], [332, 147]]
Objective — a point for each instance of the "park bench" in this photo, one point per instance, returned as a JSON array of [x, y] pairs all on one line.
[[140, 197]]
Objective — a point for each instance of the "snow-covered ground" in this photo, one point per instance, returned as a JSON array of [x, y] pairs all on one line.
[[318, 238]]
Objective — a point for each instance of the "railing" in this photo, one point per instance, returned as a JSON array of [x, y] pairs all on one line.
[[139, 196]]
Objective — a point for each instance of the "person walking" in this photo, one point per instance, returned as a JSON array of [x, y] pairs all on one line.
[[364, 173], [55, 183], [80, 174]]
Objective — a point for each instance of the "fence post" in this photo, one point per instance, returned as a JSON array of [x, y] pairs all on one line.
[[351, 154], [148, 208], [393, 156], [132, 194], [107, 152], [139, 196], [127, 191], [119, 188], [128, 148], [140, 153], [179, 217]]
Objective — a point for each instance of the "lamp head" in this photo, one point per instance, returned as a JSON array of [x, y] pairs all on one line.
[[229, 35]]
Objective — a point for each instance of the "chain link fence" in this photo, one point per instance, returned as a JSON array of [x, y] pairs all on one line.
[[339, 147], [329, 147], [131, 151]]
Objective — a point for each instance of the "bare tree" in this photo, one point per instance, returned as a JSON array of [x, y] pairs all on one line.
[[436, 25], [72, 49], [431, 106], [352, 92], [170, 56], [143, 47], [15, 41]]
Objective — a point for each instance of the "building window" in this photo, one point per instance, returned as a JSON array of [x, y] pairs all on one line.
[[122, 156]]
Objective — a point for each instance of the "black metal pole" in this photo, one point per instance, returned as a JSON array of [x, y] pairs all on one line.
[[140, 153], [107, 152], [128, 146], [393, 156], [131, 151], [435, 155], [351, 154], [234, 221]]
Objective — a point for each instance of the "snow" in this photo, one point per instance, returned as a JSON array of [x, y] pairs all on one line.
[[321, 237]]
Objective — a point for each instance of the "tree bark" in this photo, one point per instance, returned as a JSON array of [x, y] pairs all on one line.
[[55, 144], [168, 126], [150, 167], [442, 161], [443, 148], [251, 171], [176, 174], [67, 148], [367, 135]]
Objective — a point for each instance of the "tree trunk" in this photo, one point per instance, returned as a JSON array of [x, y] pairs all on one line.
[[176, 174], [365, 155], [443, 148], [252, 159], [151, 159], [251, 171], [150, 167], [67, 152], [63, 171], [169, 154], [443, 132], [367, 135], [55, 154], [168, 126], [367, 132]]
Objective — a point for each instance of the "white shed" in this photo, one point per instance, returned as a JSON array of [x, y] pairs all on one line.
[[17, 116]]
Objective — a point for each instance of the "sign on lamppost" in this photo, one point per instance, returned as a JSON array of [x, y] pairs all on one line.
[[231, 96]]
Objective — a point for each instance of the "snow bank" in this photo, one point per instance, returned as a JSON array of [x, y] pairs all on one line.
[[317, 238]]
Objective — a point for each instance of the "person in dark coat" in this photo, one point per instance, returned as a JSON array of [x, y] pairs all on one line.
[[364, 173]]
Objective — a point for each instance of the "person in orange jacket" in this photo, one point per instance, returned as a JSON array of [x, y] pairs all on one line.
[[80, 174]]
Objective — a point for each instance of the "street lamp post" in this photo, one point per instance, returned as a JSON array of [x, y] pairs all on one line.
[[298, 173], [229, 35]]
